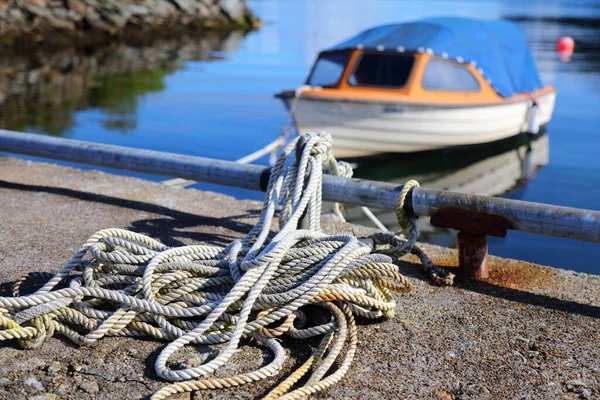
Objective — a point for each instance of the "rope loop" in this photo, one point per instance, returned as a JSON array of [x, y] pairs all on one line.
[[406, 219], [298, 283]]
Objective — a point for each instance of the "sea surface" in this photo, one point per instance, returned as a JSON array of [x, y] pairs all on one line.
[[212, 96]]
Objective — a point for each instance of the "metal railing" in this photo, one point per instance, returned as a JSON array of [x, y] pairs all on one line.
[[476, 214]]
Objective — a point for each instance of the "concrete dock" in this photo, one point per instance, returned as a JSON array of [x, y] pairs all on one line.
[[529, 332]]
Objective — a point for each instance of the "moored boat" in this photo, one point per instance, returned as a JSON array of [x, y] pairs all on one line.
[[423, 85]]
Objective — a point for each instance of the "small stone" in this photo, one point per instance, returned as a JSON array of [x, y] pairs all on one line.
[[94, 371], [132, 352], [89, 387], [44, 396], [194, 361], [4, 381], [534, 354], [574, 383], [54, 368], [77, 5], [77, 368], [234, 9], [138, 10], [184, 5], [179, 364], [31, 381], [180, 396], [62, 389], [450, 354], [33, 76], [585, 393]]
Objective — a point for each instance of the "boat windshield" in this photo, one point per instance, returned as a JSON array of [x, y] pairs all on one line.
[[441, 75], [328, 69], [383, 70]]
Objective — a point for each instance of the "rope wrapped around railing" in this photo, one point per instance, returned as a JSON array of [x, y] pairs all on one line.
[[121, 283]]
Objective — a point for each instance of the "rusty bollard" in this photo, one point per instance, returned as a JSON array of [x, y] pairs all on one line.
[[473, 255], [472, 242]]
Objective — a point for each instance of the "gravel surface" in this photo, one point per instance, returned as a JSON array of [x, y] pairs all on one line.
[[530, 332]]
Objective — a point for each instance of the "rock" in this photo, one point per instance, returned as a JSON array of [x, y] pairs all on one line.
[[4, 382], [16, 15], [132, 352], [184, 5], [77, 5], [574, 384], [77, 368], [117, 17], [234, 9], [44, 396], [63, 18], [94, 20], [90, 387], [31, 381], [162, 8], [33, 77], [59, 23], [181, 396], [36, 7], [135, 9], [95, 371], [54, 368], [63, 389]]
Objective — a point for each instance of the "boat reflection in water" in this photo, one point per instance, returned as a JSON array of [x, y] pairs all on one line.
[[491, 170]]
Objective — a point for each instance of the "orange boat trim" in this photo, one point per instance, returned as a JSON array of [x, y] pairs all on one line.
[[413, 92]]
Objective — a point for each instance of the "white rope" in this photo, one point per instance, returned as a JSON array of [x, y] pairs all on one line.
[[122, 283], [369, 214]]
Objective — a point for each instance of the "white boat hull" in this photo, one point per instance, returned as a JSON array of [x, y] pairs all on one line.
[[366, 128]]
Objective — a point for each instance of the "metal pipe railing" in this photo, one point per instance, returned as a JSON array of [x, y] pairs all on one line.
[[523, 216]]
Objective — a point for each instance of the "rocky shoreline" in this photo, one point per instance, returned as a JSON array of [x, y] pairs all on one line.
[[42, 89], [29, 23]]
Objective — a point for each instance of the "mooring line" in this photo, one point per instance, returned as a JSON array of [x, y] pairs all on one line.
[[121, 283]]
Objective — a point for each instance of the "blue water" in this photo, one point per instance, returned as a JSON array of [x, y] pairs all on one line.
[[223, 107]]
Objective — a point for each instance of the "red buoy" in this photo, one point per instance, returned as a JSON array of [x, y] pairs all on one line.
[[565, 45]]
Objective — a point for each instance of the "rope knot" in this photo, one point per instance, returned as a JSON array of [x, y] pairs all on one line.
[[345, 169], [320, 142], [44, 328]]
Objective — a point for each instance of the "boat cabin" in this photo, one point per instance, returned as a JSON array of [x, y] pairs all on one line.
[[394, 75]]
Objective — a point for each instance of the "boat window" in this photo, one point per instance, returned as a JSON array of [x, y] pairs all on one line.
[[381, 69], [448, 76], [328, 69]]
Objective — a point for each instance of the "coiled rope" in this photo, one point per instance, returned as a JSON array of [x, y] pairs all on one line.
[[121, 283]]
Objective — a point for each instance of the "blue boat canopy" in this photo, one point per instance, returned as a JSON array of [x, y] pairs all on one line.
[[497, 48]]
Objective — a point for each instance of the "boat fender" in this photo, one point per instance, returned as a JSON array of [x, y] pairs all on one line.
[[533, 121]]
